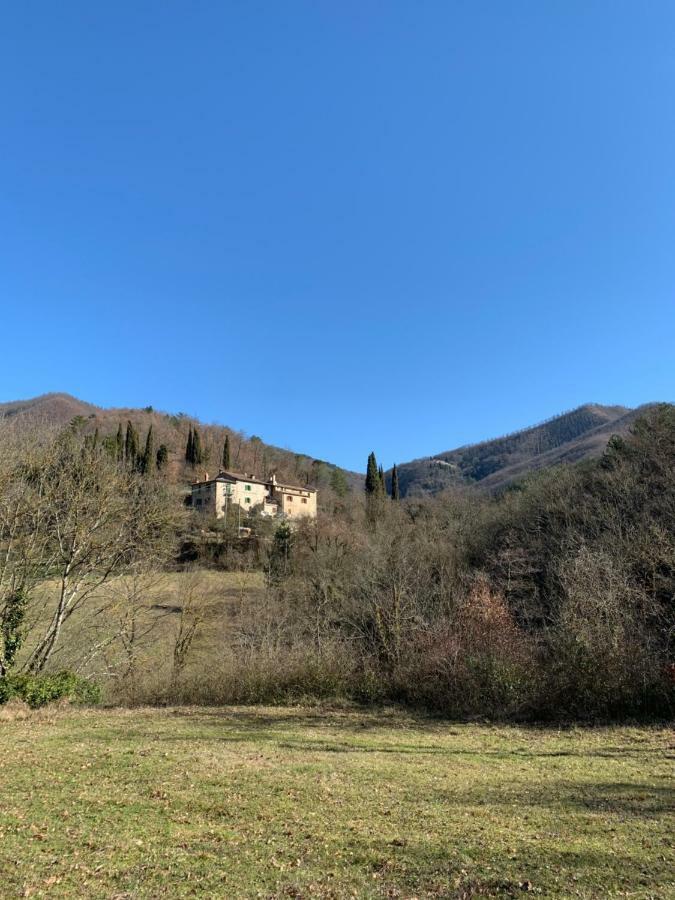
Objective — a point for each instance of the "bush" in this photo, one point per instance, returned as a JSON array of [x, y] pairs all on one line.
[[38, 690], [475, 662]]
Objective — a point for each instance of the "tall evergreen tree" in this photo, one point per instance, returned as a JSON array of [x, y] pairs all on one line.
[[189, 449], [148, 460], [131, 446], [383, 483], [226, 453], [119, 444], [395, 488], [162, 457], [197, 452], [372, 476], [375, 491]]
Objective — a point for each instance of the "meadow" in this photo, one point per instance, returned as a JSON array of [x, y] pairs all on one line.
[[124, 635], [317, 802]]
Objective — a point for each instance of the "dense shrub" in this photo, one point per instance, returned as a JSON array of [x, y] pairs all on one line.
[[38, 690], [477, 662]]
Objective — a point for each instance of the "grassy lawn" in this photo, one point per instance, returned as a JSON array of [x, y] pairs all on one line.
[[248, 802]]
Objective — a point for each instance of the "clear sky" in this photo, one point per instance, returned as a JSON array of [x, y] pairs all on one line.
[[343, 226]]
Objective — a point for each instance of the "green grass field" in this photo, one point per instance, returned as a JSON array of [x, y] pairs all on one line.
[[248, 802]]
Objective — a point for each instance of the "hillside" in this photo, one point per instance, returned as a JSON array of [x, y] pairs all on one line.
[[248, 453], [572, 436]]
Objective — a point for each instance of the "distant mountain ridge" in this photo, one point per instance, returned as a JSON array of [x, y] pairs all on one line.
[[579, 434], [248, 453], [572, 436]]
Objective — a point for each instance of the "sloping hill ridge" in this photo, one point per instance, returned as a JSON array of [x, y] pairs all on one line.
[[47, 409], [570, 437], [248, 453]]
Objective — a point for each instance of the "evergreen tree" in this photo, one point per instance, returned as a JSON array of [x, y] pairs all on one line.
[[197, 452], [372, 477], [119, 444], [148, 460], [280, 556], [162, 457], [226, 453], [383, 483], [395, 488], [131, 446], [189, 449], [338, 482]]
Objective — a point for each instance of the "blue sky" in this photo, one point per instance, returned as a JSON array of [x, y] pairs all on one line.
[[346, 226]]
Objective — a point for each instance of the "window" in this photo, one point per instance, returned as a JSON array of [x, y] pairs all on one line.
[[304, 499], [290, 499], [247, 487], [247, 500]]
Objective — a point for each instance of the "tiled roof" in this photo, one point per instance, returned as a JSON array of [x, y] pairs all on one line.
[[239, 476]]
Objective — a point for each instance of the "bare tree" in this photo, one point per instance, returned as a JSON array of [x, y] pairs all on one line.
[[91, 521], [191, 616]]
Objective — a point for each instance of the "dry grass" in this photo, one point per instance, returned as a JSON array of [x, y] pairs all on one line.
[[157, 600], [309, 803]]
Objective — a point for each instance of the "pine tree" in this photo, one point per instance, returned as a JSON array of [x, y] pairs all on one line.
[[131, 446], [226, 453], [395, 488], [338, 482], [372, 476], [119, 445], [148, 460], [162, 457], [189, 449]]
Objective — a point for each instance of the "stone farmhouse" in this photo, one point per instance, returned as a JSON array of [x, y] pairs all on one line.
[[214, 495]]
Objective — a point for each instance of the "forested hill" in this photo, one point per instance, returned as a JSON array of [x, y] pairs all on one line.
[[572, 436], [247, 453]]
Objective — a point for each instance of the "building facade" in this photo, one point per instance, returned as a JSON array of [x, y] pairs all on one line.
[[213, 496]]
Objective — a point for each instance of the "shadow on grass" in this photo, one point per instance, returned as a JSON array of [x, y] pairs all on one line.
[[253, 725], [457, 874]]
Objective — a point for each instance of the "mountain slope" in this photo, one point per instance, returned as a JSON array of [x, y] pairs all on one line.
[[570, 437], [47, 409], [248, 454]]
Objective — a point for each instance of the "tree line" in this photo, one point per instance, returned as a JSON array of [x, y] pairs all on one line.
[[554, 599]]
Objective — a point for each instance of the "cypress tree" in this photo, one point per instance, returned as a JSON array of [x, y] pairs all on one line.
[[395, 488], [375, 492], [148, 459], [131, 446], [190, 449], [226, 453], [372, 476], [119, 445], [162, 457], [197, 452], [383, 484]]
